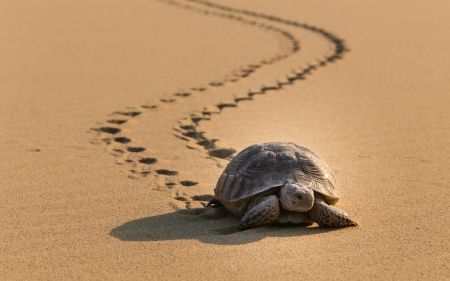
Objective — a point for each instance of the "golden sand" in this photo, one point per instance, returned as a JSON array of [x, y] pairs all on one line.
[[86, 198]]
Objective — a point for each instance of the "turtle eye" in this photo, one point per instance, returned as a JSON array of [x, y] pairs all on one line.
[[300, 197]]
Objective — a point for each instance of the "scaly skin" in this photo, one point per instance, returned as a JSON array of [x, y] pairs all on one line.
[[263, 212], [329, 216]]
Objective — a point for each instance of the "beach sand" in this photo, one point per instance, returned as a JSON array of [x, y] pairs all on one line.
[[118, 118]]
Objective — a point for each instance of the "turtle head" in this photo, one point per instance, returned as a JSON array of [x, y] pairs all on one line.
[[297, 198]]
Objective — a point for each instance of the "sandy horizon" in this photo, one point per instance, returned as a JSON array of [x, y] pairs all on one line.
[[118, 118]]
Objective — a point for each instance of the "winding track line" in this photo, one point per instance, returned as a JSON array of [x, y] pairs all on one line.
[[188, 127]]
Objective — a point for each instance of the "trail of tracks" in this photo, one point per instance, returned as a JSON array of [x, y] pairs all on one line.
[[284, 68]]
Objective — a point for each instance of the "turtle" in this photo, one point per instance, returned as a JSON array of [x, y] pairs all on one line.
[[279, 182]]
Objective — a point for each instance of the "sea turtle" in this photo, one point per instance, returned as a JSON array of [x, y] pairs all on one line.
[[279, 182]]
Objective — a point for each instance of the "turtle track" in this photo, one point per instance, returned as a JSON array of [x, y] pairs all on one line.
[[121, 146], [187, 130], [189, 126]]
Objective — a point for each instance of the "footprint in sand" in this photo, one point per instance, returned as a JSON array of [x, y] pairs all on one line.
[[148, 160], [109, 130], [117, 121], [146, 106], [183, 94], [135, 149], [167, 100], [188, 183], [223, 105], [122, 140], [222, 153], [128, 113], [166, 172]]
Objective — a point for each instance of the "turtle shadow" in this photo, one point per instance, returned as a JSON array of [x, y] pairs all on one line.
[[190, 224]]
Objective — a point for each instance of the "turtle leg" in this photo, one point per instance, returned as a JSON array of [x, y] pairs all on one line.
[[329, 216], [261, 211]]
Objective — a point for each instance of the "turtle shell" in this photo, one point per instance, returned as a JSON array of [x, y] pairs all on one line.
[[264, 168]]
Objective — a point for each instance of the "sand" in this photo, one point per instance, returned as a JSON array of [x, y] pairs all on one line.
[[193, 83]]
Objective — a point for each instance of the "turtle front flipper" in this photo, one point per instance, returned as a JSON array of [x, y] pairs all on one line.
[[263, 211], [329, 216]]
